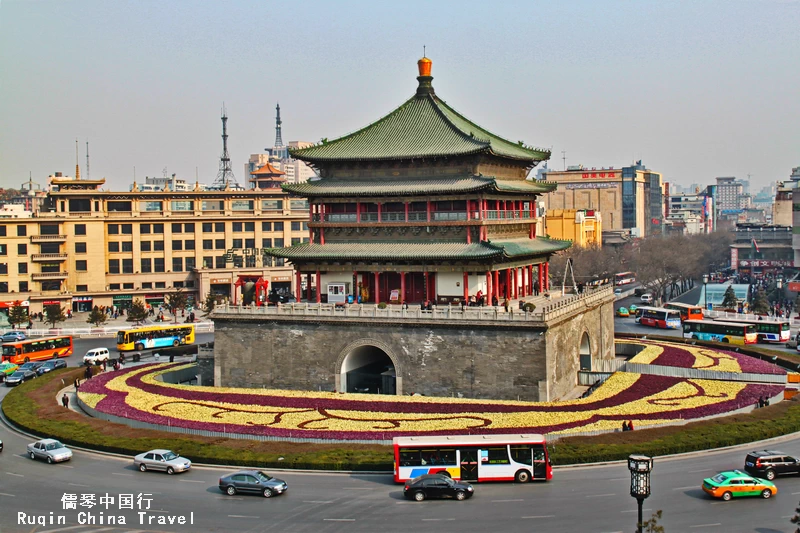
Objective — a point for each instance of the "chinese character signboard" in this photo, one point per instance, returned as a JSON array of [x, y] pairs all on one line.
[[764, 263]]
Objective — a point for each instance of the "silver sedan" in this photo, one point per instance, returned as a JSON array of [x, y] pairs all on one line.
[[50, 450], [163, 460]]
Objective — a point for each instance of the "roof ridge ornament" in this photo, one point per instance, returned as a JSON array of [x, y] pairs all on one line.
[[424, 67]]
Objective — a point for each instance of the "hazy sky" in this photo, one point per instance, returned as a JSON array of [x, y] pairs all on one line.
[[695, 89]]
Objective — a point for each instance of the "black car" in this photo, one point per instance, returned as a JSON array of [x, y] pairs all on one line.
[[33, 366], [770, 463], [252, 481], [52, 364], [436, 486], [19, 376]]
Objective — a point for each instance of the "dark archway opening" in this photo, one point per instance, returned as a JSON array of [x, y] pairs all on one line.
[[367, 369], [585, 353]]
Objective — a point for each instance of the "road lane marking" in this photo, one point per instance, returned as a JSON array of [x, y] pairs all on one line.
[[356, 488], [707, 525], [6, 494], [121, 474], [634, 510], [191, 481], [539, 516], [13, 474], [684, 488], [499, 501], [242, 516], [339, 519], [228, 498], [701, 470], [438, 519], [795, 493], [78, 485], [67, 466], [600, 495], [315, 501]]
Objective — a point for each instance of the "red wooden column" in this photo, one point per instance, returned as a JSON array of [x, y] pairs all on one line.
[[299, 284], [540, 270], [355, 287], [308, 287], [319, 288], [466, 286], [377, 288], [403, 285], [469, 208], [428, 210], [406, 205], [488, 297], [508, 283], [358, 212], [530, 279], [523, 287], [516, 283], [380, 207], [521, 209], [496, 286], [469, 235], [547, 275], [427, 285]]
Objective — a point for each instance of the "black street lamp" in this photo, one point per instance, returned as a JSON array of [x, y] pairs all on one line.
[[705, 294], [640, 467]]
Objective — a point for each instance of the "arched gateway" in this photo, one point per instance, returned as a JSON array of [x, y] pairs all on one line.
[[585, 352], [368, 366]]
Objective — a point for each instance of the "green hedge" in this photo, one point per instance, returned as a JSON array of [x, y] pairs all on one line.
[[32, 406]]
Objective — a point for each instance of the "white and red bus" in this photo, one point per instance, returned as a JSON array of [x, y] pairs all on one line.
[[658, 317], [517, 457], [624, 278]]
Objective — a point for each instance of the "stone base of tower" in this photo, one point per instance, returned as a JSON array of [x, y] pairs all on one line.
[[487, 355]]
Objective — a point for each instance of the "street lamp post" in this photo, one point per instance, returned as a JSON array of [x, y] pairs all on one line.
[[640, 467], [705, 294]]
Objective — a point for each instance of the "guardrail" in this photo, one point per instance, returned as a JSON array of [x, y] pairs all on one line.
[[695, 373], [108, 331]]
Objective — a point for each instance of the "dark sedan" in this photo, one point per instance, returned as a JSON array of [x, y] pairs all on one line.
[[252, 481], [51, 365], [19, 376], [33, 366], [436, 486]]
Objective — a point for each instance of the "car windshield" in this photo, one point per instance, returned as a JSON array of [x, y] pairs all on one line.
[[719, 478], [263, 476], [17, 374], [53, 445], [169, 456]]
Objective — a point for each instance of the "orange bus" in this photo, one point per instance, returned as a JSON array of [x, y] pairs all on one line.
[[687, 311], [37, 349]]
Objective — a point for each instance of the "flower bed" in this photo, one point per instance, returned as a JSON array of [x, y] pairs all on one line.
[[646, 400], [701, 358]]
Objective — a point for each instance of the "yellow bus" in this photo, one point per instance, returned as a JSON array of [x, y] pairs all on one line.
[[161, 336]]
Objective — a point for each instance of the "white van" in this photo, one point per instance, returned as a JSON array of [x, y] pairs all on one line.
[[96, 355]]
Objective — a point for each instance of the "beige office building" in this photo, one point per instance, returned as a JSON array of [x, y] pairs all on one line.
[[88, 247]]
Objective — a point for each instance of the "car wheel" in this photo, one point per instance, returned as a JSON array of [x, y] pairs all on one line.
[[766, 494], [267, 493], [770, 475], [32, 455], [49, 460], [55, 356], [419, 495], [27, 359], [139, 347], [142, 467], [523, 476], [176, 343], [727, 496], [231, 490], [170, 470], [725, 340], [460, 495]]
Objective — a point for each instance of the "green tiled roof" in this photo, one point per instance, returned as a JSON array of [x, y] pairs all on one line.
[[415, 186], [419, 251], [423, 127]]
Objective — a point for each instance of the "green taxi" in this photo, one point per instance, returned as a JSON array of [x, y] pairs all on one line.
[[632, 309], [6, 369], [736, 484], [623, 312]]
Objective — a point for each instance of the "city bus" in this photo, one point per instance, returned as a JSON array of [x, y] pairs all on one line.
[[714, 330], [687, 311], [658, 317], [161, 336], [37, 349], [624, 278], [517, 457], [768, 330]]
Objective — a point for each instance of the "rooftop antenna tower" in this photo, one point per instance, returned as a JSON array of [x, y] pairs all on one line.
[[77, 165], [87, 159], [278, 122], [225, 176], [564, 158]]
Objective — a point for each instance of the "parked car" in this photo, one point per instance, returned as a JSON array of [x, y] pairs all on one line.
[[1, 445], [51, 365], [647, 298], [95, 356], [436, 486], [49, 450], [31, 365], [623, 312], [770, 463], [737, 484], [617, 292], [794, 343], [13, 336], [252, 481], [164, 460], [6, 369], [20, 376]]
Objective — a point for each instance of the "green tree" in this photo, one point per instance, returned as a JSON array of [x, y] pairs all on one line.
[[796, 519], [729, 300], [53, 314], [760, 303], [210, 303], [175, 302], [137, 313], [97, 317], [17, 315], [651, 526]]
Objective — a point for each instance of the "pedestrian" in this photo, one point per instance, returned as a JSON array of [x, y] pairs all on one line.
[[104, 364], [88, 373], [122, 358], [506, 304], [630, 425], [624, 426], [761, 401], [77, 384], [495, 301], [65, 401], [536, 288]]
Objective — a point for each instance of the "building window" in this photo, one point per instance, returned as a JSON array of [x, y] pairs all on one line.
[[22, 249], [128, 286], [295, 226], [23, 286], [127, 246], [127, 229], [237, 243], [301, 205], [150, 206], [3, 286], [207, 227], [3, 249], [177, 284], [80, 247], [249, 226], [113, 266], [144, 229], [147, 265], [113, 229], [237, 226], [50, 248], [145, 246], [189, 283], [113, 246], [279, 243], [113, 287], [212, 205], [177, 228], [177, 245], [158, 246], [80, 229], [177, 264], [190, 264], [208, 262], [208, 244], [219, 227], [81, 288], [22, 231], [158, 264], [278, 226], [147, 285], [279, 261], [48, 229], [182, 205], [188, 245], [242, 205], [158, 228], [271, 205], [161, 284], [188, 228], [295, 240], [266, 243], [3, 231], [81, 265], [266, 226], [80, 206], [119, 206], [127, 266], [219, 244], [4, 268], [250, 243], [22, 268], [220, 261]]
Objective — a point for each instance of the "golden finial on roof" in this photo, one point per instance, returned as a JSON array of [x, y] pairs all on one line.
[[135, 187], [424, 66]]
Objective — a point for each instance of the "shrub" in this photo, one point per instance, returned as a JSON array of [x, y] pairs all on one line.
[[382, 305], [529, 307]]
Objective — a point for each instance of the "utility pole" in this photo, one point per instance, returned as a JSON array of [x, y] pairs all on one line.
[[564, 158]]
